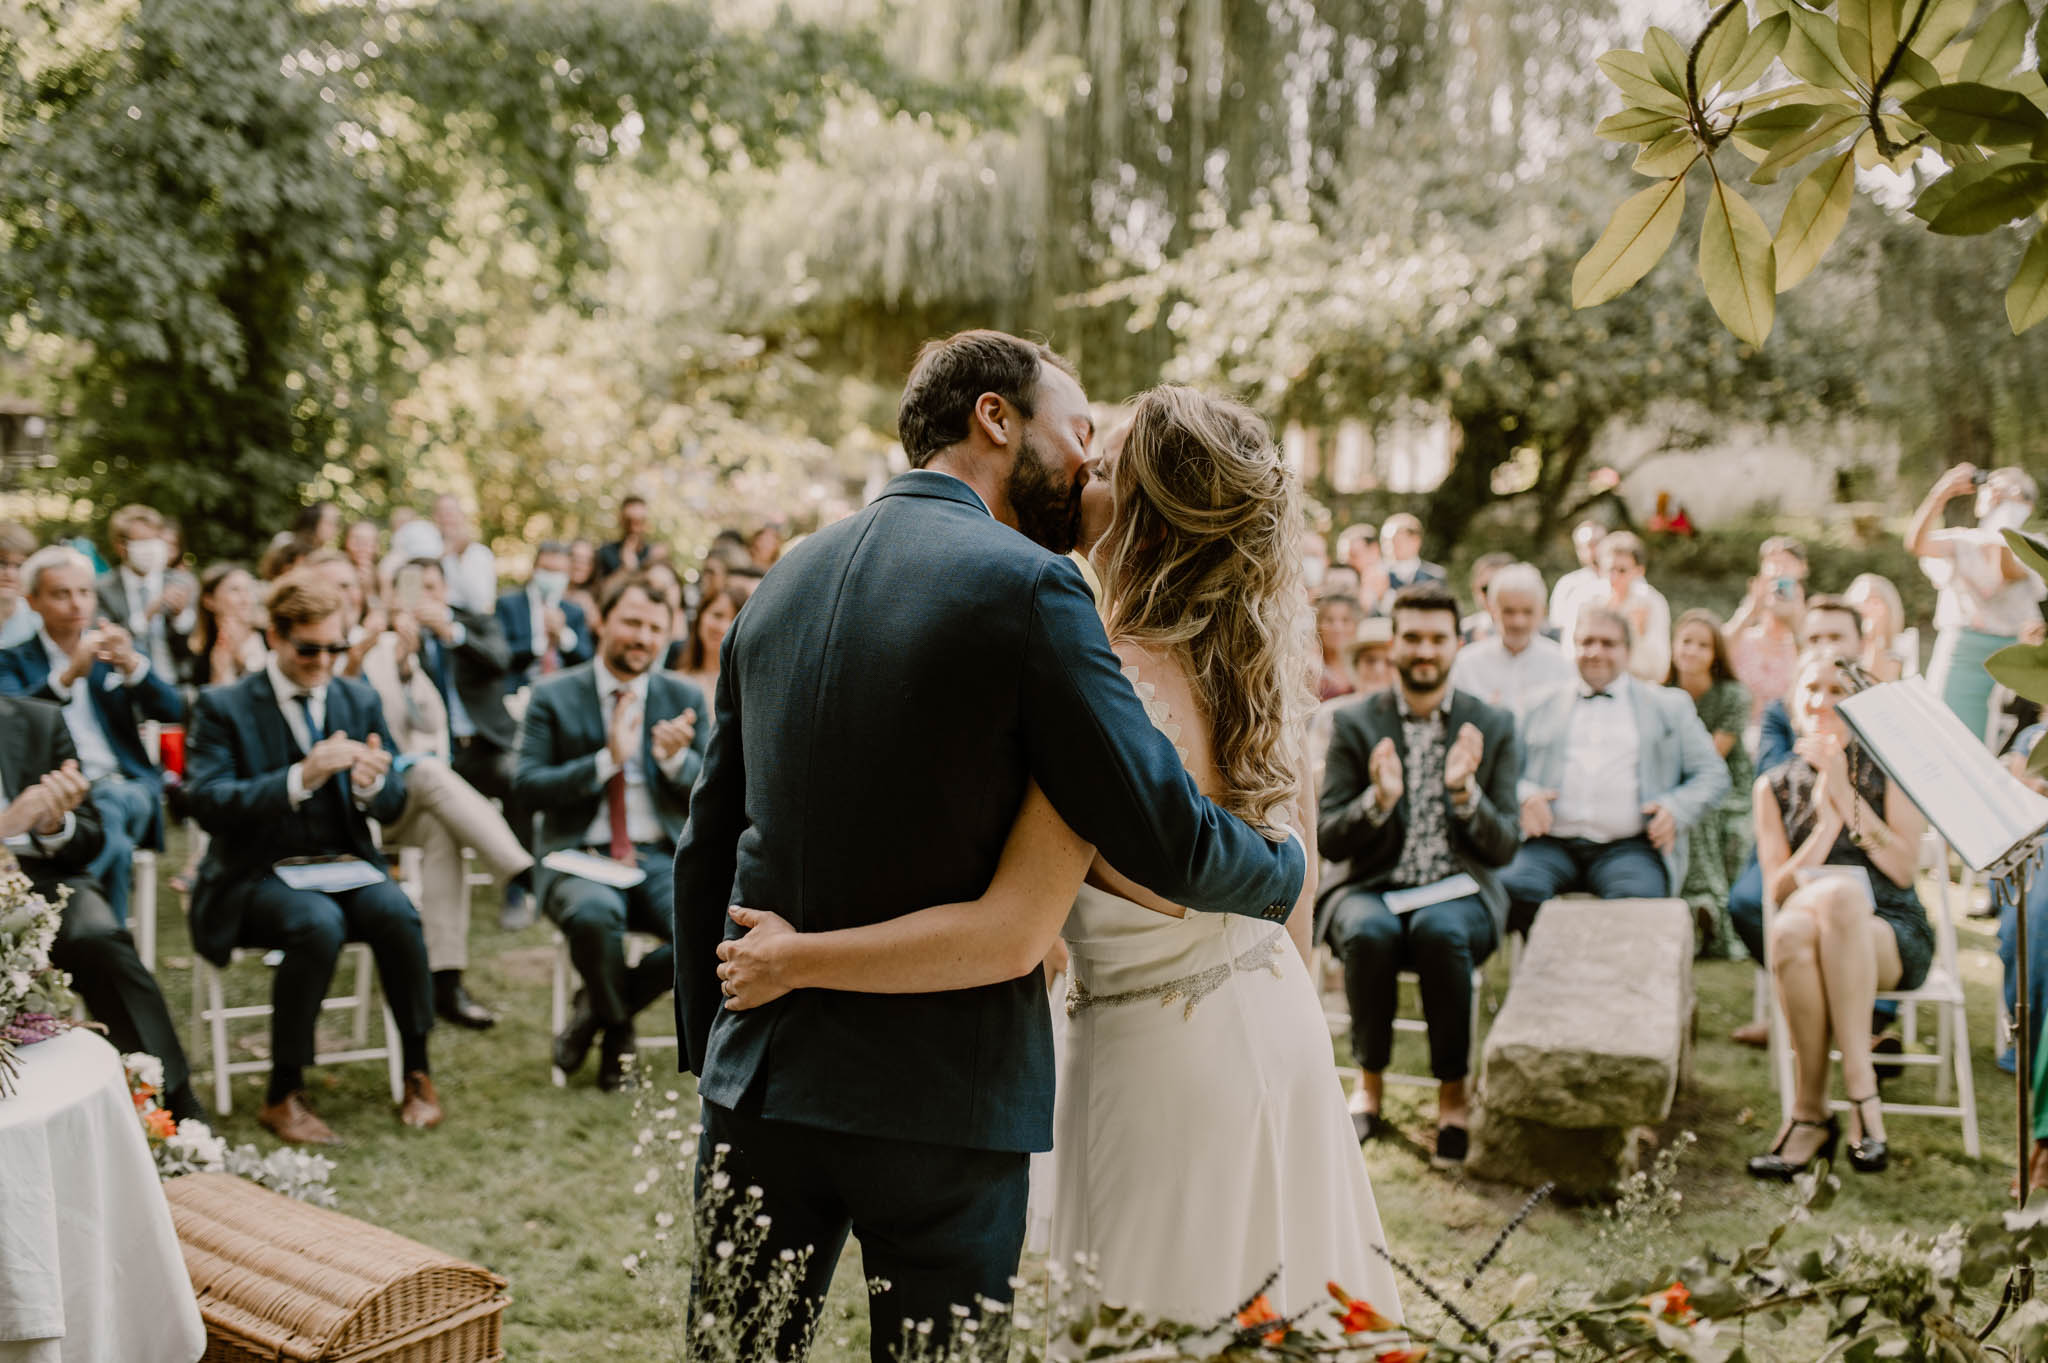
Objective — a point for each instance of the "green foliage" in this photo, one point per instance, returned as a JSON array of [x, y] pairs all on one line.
[[1891, 79], [232, 204]]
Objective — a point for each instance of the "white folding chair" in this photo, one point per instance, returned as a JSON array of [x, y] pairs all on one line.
[[142, 906], [211, 1016], [638, 944], [1942, 991], [1337, 1013]]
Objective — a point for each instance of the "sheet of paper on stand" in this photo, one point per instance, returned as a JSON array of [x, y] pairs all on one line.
[[332, 875], [1974, 802], [590, 866], [1422, 896]]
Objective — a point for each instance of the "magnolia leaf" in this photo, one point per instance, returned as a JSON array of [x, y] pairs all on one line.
[[1881, 35], [1913, 74], [1970, 114], [2031, 550], [1940, 25], [2026, 298], [1630, 72], [1636, 239], [1831, 129], [1768, 127], [1667, 60], [1637, 125], [2000, 42], [1737, 265], [1813, 52], [1990, 201], [2021, 667], [1856, 54], [1722, 49], [1813, 218], [1933, 198], [1669, 155], [1759, 50]]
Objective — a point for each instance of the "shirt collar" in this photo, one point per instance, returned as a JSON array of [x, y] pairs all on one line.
[[59, 659], [1443, 705], [133, 580], [1618, 688], [607, 684], [284, 687]]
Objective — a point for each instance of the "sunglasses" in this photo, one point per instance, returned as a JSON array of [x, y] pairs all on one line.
[[315, 650]]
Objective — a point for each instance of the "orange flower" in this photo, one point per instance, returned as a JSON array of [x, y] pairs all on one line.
[[1359, 1317], [159, 1124], [1402, 1356], [143, 1093], [1260, 1312], [1674, 1304]]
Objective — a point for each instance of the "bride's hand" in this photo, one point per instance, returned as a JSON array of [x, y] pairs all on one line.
[[751, 969]]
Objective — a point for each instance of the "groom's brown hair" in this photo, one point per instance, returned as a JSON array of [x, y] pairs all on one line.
[[950, 375]]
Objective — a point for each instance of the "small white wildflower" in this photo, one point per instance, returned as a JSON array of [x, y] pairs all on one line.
[[631, 1263], [640, 1190], [724, 1249], [721, 1149], [762, 1222], [721, 1180], [667, 1114], [788, 1256], [960, 1311], [754, 1193], [664, 1219], [672, 1095]]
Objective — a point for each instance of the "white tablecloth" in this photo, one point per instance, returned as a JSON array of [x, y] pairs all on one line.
[[90, 1270]]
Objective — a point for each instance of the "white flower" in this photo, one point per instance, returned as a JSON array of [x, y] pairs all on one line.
[[631, 1263], [724, 1249], [664, 1219], [144, 1068]]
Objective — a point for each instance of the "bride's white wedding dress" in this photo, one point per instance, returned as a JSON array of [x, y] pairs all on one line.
[[1200, 1137]]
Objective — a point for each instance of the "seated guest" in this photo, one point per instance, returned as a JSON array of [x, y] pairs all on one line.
[[146, 592], [607, 757], [1359, 547], [1401, 541], [227, 642], [583, 577], [1419, 787], [1887, 654], [465, 657], [543, 631], [1370, 664], [1583, 584], [1763, 636], [1701, 668], [1629, 594], [1835, 939], [107, 689], [1479, 625], [49, 824], [698, 660], [626, 553], [293, 761], [468, 567], [443, 813], [361, 543], [18, 620], [1614, 774], [1337, 619], [1516, 664]]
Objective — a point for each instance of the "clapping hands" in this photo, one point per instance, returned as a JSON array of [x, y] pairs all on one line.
[[1461, 763], [1384, 768], [41, 807], [671, 736]]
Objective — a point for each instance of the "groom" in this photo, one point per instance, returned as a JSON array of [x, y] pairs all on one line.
[[883, 701]]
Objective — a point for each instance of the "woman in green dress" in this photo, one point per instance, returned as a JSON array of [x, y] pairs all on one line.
[[1720, 840]]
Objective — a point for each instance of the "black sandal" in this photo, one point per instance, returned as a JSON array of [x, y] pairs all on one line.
[[1867, 1155], [1775, 1166]]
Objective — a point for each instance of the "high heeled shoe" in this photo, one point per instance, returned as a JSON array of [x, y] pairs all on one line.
[[1867, 1155], [1774, 1165]]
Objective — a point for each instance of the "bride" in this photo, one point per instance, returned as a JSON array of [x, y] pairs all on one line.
[[1200, 1135]]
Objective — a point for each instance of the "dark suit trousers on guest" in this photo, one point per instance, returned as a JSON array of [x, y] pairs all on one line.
[[596, 918], [939, 1226], [118, 989], [1628, 868], [310, 928], [1442, 943]]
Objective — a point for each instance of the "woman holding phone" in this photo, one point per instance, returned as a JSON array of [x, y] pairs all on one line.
[[1763, 636]]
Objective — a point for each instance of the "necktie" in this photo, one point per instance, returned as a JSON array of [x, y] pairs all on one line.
[[621, 848], [313, 734]]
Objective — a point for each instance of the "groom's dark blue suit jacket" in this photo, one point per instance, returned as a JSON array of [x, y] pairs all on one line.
[[883, 700]]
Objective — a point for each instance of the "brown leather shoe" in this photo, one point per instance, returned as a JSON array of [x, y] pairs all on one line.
[[292, 1122], [422, 1106]]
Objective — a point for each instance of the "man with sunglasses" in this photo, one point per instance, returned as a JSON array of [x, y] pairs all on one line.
[[294, 762]]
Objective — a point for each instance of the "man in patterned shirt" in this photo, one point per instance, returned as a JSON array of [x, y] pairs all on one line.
[[1418, 796]]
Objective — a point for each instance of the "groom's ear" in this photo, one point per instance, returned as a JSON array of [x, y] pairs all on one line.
[[996, 419]]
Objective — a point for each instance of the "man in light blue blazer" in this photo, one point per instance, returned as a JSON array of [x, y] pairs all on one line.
[[1615, 773]]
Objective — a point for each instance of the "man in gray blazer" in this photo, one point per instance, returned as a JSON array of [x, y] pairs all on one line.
[[1615, 772], [1418, 792]]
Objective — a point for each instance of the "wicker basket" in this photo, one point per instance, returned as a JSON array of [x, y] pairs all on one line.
[[280, 1280]]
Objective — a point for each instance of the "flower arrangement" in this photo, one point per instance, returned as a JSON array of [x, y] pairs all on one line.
[[190, 1147], [35, 996]]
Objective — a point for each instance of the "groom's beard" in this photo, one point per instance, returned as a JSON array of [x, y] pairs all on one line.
[[1047, 507]]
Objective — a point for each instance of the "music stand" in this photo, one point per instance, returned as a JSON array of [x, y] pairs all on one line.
[[1991, 821]]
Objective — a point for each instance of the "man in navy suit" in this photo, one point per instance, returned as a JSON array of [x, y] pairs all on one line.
[[294, 762], [888, 693], [543, 633], [106, 686], [607, 758]]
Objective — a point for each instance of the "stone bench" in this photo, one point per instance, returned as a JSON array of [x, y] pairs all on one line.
[[1590, 1045]]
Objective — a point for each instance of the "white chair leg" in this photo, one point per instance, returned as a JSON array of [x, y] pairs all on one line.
[[394, 1056], [142, 907], [558, 1008], [1966, 1084], [217, 1036], [365, 968], [1473, 1060], [1945, 1048]]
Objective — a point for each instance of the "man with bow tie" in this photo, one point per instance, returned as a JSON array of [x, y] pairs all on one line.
[[292, 762], [1616, 770]]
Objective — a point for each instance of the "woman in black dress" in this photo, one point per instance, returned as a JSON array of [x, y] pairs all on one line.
[[1836, 939]]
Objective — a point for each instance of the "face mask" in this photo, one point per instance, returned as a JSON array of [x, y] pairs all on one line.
[[148, 557], [2004, 516], [1312, 570], [550, 583]]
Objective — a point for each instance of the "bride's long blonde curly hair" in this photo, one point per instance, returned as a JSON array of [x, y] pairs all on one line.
[[1202, 560]]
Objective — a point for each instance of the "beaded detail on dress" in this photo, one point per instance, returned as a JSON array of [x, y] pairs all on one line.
[[1157, 710], [1193, 988]]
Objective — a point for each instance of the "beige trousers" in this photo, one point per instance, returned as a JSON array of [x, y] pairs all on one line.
[[443, 815]]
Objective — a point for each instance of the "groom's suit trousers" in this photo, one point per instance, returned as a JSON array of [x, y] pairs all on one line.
[[939, 1226]]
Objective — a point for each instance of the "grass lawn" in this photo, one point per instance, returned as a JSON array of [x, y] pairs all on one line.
[[537, 1183]]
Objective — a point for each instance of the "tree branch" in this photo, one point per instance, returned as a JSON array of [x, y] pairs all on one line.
[[1887, 148], [1694, 113]]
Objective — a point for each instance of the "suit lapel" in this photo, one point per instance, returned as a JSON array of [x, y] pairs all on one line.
[[14, 758], [270, 723], [1647, 785]]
